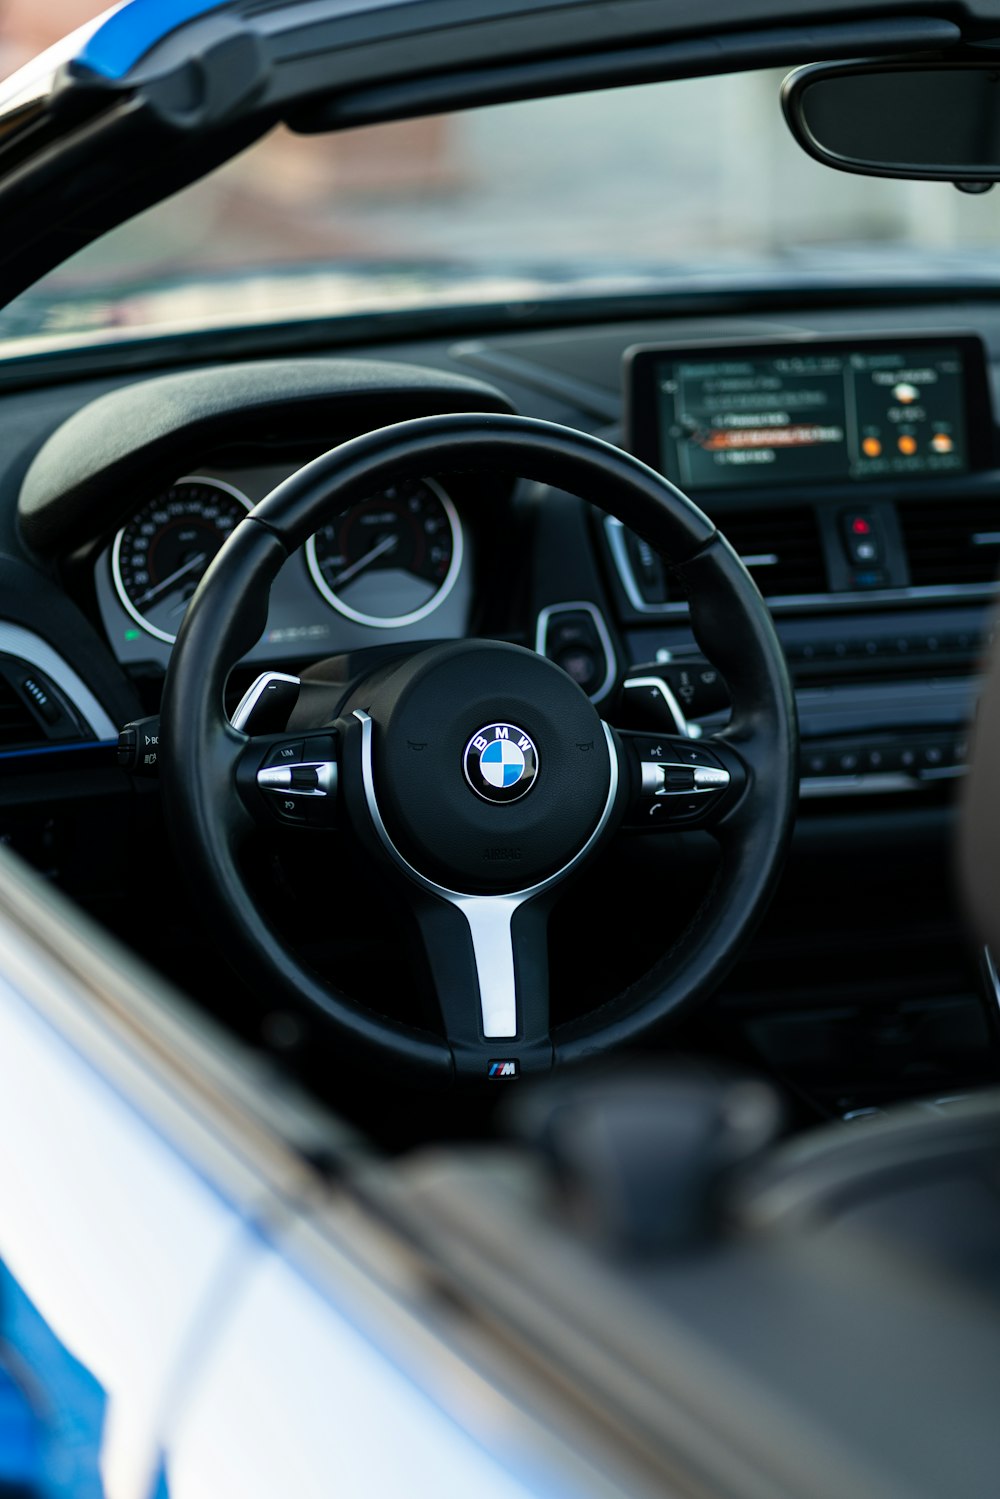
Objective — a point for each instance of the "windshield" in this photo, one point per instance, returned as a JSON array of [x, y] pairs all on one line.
[[613, 191]]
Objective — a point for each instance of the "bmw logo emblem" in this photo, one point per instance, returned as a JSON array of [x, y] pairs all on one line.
[[500, 762]]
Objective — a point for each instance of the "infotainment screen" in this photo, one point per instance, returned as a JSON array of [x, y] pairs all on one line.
[[810, 412]]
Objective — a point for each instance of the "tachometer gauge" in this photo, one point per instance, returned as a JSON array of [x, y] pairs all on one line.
[[392, 559], [158, 559]]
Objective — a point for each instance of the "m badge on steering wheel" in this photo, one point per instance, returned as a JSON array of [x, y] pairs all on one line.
[[500, 762]]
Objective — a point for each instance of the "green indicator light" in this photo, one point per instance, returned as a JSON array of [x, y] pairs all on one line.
[[131, 634]]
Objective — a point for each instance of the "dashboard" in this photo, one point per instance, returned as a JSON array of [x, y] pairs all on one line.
[[117, 489], [853, 469]]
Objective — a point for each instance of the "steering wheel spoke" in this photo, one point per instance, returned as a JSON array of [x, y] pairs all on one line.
[[488, 957], [678, 785]]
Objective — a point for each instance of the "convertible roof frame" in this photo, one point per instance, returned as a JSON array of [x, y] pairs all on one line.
[[157, 93]]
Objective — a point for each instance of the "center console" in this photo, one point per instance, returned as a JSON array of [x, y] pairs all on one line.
[[856, 478]]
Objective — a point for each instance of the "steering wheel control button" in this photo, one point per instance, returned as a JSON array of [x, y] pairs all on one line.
[[291, 752], [287, 808], [317, 779], [676, 782], [299, 780], [500, 762]]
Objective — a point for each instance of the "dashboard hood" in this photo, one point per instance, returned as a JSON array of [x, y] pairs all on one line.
[[157, 93]]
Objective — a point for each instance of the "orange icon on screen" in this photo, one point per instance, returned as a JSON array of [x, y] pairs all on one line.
[[871, 447], [907, 445], [942, 443]]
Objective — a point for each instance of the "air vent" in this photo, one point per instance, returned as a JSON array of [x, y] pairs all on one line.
[[31, 711], [951, 542], [781, 549], [18, 724]]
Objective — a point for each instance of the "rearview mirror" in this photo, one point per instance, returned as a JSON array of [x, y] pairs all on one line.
[[939, 120]]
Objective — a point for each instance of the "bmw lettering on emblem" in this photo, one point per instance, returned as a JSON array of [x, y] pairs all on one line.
[[500, 762]]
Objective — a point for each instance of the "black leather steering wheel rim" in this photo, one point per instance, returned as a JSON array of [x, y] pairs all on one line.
[[730, 621]]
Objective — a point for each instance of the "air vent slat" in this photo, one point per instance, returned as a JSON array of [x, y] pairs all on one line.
[[781, 548], [950, 542]]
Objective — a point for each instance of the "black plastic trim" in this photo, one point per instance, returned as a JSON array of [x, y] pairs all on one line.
[[500, 83]]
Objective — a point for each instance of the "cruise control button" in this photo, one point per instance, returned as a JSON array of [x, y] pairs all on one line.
[[287, 753], [305, 778], [688, 809], [286, 808], [676, 778], [690, 783], [694, 754]]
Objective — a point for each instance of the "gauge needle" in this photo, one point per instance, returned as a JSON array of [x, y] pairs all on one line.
[[387, 544], [182, 572]]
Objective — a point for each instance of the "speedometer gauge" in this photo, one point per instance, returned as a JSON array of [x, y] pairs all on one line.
[[159, 558], [392, 559]]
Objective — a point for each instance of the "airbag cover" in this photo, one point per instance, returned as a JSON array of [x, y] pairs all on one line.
[[426, 710]]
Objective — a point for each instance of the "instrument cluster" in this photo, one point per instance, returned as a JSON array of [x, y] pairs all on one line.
[[398, 560]]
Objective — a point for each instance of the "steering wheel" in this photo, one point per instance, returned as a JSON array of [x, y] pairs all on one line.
[[476, 773]]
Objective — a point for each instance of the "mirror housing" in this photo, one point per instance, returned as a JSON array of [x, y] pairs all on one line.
[[934, 120]]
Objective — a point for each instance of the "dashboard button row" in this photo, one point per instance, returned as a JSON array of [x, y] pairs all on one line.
[[917, 756], [884, 648]]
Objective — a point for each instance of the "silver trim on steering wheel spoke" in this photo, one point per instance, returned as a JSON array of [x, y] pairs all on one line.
[[489, 917]]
